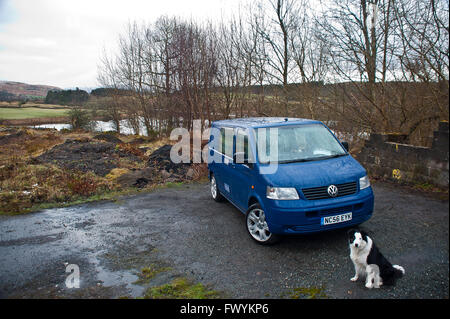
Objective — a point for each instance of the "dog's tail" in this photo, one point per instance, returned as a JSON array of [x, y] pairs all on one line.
[[391, 275], [399, 270]]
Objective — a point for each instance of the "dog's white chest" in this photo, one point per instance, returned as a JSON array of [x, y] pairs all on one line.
[[360, 259]]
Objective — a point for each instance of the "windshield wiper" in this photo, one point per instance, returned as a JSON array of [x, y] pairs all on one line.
[[312, 159], [334, 156], [299, 160]]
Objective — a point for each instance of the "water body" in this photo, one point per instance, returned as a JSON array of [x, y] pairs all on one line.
[[101, 126], [125, 128]]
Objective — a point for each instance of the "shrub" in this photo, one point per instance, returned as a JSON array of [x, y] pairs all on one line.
[[79, 119], [129, 149], [83, 185]]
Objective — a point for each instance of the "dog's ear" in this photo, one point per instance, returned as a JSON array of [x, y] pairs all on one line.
[[351, 234], [363, 235]]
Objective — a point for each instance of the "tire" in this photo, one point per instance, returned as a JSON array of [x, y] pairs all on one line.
[[257, 227], [215, 194]]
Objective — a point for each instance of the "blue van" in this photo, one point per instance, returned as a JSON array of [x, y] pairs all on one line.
[[287, 175]]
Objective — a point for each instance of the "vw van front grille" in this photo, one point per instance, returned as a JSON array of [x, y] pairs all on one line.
[[322, 192]]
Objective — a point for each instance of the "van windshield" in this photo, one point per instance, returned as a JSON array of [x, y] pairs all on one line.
[[301, 143]]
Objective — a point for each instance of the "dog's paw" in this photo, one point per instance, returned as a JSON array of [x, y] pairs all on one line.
[[354, 278], [369, 285]]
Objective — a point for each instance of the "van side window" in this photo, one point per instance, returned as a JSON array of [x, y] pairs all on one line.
[[226, 139], [242, 145]]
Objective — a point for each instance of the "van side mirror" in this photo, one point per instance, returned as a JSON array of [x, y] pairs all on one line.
[[345, 144]]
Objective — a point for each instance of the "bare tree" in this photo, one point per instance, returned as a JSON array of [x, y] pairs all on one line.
[[108, 77], [276, 27], [356, 34], [373, 65]]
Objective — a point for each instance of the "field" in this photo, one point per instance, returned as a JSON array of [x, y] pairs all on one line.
[[30, 113], [42, 168]]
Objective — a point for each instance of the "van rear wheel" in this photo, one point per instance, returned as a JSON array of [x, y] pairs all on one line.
[[257, 226], [215, 190]]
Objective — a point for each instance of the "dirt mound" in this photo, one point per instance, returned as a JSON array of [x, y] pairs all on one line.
[[13, 137], [99, 157], [107, 137], [142, 140], [160, 160], [19, 144], [160, 169]]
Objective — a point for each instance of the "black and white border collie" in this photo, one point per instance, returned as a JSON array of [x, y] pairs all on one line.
[[370, 263]]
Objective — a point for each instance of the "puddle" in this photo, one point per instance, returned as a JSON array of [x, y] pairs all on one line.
[[124, 278]]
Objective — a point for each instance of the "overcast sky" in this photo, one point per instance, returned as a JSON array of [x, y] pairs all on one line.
[[59, 42]]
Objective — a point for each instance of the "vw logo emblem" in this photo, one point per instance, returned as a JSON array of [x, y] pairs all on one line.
[[332, 190]]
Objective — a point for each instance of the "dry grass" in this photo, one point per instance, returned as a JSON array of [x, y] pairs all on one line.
[[200, 172], [26, 143], [24, 185], [27, 184]]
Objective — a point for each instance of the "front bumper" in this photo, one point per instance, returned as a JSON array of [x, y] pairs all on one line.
[[288, 217]]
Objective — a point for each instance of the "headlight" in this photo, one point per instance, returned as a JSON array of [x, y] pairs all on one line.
[[281, 193], [364, 182]]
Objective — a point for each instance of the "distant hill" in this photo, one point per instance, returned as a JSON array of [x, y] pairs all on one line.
[[17, 90]]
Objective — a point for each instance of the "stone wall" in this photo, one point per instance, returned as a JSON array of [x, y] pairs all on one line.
[[388, 156]]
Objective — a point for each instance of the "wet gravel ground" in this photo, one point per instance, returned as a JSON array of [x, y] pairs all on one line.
[[190, 235]]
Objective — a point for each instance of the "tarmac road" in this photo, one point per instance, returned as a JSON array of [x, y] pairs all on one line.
[[190, 235]]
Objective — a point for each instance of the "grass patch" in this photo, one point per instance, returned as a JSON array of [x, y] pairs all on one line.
[[31, 112], [180, 288], [148, 273], [116, 172], [173, 184], [427, 187], [307, 293]]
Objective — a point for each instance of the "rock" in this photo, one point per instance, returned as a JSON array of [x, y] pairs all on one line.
[[137, 178], [165, 174], [190, 173], [141, 182]]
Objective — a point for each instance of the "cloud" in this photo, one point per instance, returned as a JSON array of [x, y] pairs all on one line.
[[59, 43]]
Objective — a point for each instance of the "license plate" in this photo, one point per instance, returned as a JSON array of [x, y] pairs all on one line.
[[336, 219]]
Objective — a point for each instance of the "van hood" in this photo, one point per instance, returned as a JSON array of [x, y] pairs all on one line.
[[316, 173]]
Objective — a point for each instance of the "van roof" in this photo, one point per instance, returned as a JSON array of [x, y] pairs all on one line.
[[263, 121]]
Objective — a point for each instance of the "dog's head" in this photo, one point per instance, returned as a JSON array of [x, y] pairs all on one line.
[[357, 238]]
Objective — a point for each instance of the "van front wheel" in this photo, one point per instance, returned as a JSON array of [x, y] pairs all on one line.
[[257, 226]]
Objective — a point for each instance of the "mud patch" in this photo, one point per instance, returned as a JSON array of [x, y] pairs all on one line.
[[99, 157]]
